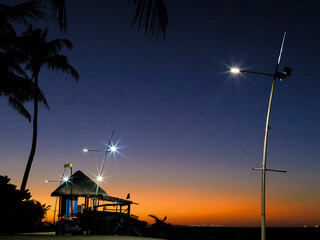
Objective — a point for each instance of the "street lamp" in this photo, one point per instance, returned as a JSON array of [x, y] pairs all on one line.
[[110, 149], [64, 179], [284, 74], [47, 181], [281, 76], [99, 179]]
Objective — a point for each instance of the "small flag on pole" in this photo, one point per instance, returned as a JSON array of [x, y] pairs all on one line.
[[68, 165]]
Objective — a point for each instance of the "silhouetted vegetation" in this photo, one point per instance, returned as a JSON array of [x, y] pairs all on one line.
[[161, 228], [15, 84], [151, 15], [19, 213]]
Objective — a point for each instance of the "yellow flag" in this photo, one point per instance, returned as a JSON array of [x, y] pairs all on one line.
[[68, 165]]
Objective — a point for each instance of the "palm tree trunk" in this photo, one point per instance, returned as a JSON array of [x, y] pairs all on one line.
[[34, 135]]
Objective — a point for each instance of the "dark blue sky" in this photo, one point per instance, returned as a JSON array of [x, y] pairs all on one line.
[[180, 116]]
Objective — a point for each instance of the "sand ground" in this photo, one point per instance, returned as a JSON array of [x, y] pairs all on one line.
[[52, 236]]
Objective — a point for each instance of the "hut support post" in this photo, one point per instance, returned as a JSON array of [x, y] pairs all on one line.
[[128, 221], [59, 212]]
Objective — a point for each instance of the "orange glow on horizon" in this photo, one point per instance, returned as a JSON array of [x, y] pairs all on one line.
[[185, 207]]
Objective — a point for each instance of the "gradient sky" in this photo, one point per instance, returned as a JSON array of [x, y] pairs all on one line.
[[190, 131]]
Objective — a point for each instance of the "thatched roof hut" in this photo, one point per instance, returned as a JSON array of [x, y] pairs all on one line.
[[95, 206], [82, 186]]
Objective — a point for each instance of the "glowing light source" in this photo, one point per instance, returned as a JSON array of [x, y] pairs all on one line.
[[235, 70], [113, 148], [46, 181], [110, 150], [65, 179], [99, 178]]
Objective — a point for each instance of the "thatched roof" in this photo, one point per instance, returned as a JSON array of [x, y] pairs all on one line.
[[82, 186]]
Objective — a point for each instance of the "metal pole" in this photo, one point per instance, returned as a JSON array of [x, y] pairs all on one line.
[[106, 152], [55, 205], [264, 165], [264, 161], [260, 73], [101, 168], [71, 181], [104, 158]]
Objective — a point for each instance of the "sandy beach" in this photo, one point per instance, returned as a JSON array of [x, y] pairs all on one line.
[[52, 236]]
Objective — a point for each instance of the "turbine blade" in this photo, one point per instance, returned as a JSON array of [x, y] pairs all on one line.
[[279, 58], [284, 37]]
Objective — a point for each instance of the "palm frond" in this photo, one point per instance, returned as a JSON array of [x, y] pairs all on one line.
[[9, 63], [59, 13], [42, 99], [155, 217], [56, 45], [152, 15], [23, 12], [16, 85], [18, 106], [43, 33], [22, 90], [60, 62]]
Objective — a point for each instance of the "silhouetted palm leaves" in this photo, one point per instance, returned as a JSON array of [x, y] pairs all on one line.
[[59, 12], [20, 13], [19, 213], [160, 226], [152, 16], [15, 83]]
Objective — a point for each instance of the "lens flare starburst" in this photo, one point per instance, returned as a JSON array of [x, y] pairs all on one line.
[[113, 149], [99, 178]]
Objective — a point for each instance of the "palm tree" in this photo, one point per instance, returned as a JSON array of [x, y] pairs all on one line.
[[15, 83], [39, 53]]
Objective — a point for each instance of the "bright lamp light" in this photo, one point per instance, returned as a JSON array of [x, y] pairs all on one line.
[[99, 178], [113, 148], [235, 70], [65, 179], [85, 150]]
